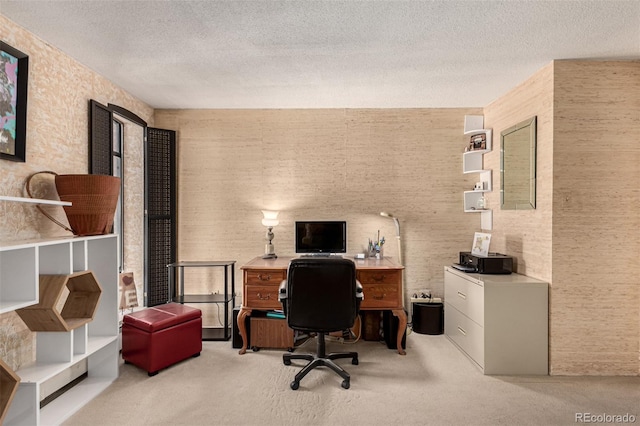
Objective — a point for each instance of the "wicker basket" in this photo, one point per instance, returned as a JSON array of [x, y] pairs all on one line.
[[94, 199]]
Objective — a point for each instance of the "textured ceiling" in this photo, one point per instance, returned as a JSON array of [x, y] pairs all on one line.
[[327, 54]]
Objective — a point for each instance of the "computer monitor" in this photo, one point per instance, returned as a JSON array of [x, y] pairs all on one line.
[[321, 237]]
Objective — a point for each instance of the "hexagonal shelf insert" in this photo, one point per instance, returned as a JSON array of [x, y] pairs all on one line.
[[82, 293], [8, 386]]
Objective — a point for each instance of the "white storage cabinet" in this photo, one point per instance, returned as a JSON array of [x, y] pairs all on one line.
[[499, 321]]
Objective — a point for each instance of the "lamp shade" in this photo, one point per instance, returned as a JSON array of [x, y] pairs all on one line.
[[270, 218]]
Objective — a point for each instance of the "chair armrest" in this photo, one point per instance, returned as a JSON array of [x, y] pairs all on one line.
[[282, 295], [282, 291], [359, 291]]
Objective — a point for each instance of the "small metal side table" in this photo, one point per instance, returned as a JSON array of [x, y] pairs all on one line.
[[228, 298]]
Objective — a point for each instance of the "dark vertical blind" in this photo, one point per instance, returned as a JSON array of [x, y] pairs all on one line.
[[160, 206], [100, 139]]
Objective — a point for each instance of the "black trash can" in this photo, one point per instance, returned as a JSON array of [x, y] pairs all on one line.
[[428, 318]]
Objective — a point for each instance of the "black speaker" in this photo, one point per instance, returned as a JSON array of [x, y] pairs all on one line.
[[390, 330], [237, 338]]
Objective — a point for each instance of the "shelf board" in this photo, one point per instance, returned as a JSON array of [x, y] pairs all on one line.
[[202, 298], [476, 151], [72, 400], [40, 372], [12, 305], [34, 201]]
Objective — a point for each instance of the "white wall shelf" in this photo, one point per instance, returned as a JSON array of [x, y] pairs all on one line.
[[473, 162], [34, 200], [95, 343]]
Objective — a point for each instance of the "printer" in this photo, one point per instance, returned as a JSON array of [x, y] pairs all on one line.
[[494, 263]]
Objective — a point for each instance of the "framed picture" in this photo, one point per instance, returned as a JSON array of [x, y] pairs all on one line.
[[481, 244], [14, 77], [478, 142]]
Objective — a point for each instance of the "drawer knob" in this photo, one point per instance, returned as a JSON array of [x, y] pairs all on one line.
[[264, 277], [267, 297], [462, 295], [461, 330], [378, 278], [379, 296]]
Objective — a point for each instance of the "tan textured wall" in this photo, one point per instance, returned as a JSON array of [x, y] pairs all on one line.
[[584, 236], [57, 139], [595, 308], [323, 164], [525, 234]]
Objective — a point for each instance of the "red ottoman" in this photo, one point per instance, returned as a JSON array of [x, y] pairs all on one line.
[[158, 337]]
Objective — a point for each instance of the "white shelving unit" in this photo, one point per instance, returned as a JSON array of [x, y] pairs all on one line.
[[95, 343], [473, 162]]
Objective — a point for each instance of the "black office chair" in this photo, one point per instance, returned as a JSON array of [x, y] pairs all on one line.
[[321, 295]]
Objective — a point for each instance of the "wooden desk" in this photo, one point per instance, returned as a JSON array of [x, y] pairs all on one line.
[[381, 280]]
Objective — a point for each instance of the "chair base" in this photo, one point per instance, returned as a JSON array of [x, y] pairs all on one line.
[[320, 359]]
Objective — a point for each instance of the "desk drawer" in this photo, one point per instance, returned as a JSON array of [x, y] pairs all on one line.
[[381, 289], [379, 277], [265, 276], [380, 296], [466, 296], [261, 297]]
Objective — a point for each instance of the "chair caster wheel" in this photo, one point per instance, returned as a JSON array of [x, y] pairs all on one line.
[[295, 385], [346, 384], [354, 361], [286, 361]]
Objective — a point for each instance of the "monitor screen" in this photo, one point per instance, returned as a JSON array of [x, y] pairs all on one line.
[[321, 237]]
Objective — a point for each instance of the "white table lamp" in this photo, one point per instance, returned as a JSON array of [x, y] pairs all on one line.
[[270, 219]]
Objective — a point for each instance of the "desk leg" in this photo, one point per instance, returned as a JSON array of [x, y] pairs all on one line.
[[242, 328], [402, 328]]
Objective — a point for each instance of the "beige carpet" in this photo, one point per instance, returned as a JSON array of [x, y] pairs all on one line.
[[434, 384]]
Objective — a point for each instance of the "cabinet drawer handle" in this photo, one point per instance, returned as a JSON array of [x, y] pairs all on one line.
[[462, 295], [378, 278], [267, 297], [264, 277], [379, 297], [461, 330]]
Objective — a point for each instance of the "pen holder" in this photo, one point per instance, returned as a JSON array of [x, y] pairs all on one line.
[[376, 252]]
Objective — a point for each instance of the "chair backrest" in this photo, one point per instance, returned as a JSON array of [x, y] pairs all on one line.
[[321, 294]]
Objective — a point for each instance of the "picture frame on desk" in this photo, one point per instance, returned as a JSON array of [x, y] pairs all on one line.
[[14, 77], [481, 243]]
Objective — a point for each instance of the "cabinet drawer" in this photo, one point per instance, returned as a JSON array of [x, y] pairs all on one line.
[[379, 277], [465, 333], [261, 297], [381, 288], [466, 296], [380, 296], [265, 276]]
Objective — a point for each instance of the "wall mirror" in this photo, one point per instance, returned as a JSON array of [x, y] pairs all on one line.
[[518, 166]]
